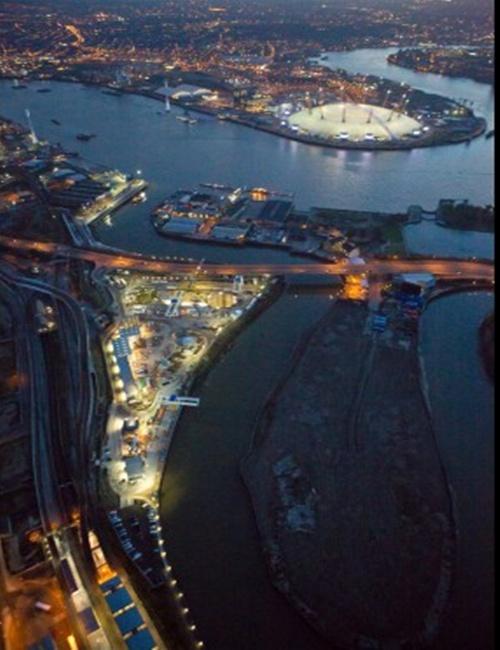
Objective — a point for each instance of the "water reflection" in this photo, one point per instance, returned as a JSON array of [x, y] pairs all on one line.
[[130, 136]]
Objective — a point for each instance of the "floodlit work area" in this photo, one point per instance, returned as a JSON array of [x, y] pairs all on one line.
[[354, 122], [163, 335], [166, 327]]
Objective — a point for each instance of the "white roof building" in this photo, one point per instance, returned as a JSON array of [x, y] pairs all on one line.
[[184, 91]]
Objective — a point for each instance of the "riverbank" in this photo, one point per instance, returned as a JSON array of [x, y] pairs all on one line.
[[61, 202], [433, 139], [223, 343], [435, 136], [479, 69], [351, 502], [144, 554], [135, 133], [462, 403], [248, 243], [487, 345]]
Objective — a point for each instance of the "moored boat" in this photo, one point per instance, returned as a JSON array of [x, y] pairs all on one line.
[[85, 137]]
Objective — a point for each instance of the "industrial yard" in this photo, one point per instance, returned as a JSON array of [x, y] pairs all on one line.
[[259, 217]]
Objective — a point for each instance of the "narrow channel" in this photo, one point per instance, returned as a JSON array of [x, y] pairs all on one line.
[[211, 534], [462, 401]]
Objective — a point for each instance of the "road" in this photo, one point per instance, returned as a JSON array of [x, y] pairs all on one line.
[[49, 425], [444, 268]]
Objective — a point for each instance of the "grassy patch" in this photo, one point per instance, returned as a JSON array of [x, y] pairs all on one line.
[[393, 235]]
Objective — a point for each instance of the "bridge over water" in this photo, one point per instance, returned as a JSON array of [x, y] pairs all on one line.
[[445, 268]]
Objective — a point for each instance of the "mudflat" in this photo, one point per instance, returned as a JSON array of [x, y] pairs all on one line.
[[350, 497]]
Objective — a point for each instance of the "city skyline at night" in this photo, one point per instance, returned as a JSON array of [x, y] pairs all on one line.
[[247, 285]]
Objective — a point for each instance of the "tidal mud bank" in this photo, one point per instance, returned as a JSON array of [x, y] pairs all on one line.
[[349, 493]]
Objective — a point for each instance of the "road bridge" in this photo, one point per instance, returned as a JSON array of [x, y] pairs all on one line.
[[472, 269]]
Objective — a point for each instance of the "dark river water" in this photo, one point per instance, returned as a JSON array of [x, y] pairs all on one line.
[[211, 537], [462, 402], [213, 541]]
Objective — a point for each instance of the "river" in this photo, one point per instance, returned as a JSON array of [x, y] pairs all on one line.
[[133, 133], [212, 539], [430, 238], [211, 536], [462, 403]]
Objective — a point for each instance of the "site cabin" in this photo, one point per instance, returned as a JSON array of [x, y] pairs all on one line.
[[416, 283]]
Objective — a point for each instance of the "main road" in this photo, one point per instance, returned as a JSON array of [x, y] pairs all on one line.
[[446, 268]]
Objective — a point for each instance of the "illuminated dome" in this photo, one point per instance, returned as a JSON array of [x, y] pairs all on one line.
[[354, 122]]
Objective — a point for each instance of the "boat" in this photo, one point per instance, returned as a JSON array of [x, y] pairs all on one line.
[[55, 122], [187, 118], [113, 93], [490, 134], [216, 186], [221, 116], [140, 198], [85, 137], [17, 86], [44, 90]]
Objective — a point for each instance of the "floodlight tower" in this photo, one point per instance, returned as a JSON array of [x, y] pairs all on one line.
[[308, 101], [384, 103], [344, 107], [404, 106], [30, 124], [401, 107]]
